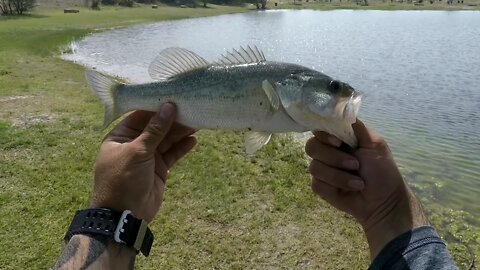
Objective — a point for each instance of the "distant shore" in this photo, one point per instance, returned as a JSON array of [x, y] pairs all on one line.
[[316, 4], [376, 5]]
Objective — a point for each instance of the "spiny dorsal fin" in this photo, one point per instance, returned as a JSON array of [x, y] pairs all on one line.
[[174, 61], [271, 94], [242, 56], [254, 140]]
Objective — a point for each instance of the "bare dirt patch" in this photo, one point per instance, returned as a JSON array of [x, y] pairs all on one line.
[[26, 110], [13, 98], [29, 120]]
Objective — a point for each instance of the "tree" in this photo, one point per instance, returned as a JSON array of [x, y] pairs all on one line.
[[95, 4], [23, 5], [5, 7], [16, 6], [263, 3]]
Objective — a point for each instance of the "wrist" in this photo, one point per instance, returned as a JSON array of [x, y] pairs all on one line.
[[122, 228], [84, 251], [403, 214], [109, 245]]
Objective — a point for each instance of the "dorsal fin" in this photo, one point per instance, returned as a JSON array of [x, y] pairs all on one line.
[[242, 56], [174, 61]]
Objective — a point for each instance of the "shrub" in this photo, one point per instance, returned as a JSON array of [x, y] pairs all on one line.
[[126, 3], [109, 2], [95, 4]]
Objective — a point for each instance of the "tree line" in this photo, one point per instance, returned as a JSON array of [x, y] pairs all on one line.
[[10, 7], [190, 3]]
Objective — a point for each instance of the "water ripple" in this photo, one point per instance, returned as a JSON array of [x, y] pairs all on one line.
[[418, 71]]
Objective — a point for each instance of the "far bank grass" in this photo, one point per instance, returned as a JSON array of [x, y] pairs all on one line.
[[373, 5], [222, 210]]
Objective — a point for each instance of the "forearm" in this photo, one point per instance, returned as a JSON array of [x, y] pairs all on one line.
[[87, 252], [396, 218]]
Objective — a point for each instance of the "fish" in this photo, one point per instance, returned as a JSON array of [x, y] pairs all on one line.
[[239, 91]]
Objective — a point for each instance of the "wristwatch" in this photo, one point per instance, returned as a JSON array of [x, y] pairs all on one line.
[[122, 227]]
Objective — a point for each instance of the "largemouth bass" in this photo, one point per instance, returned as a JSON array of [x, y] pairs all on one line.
[[242, 90]]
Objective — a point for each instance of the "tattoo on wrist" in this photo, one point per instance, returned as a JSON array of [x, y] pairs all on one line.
[[97, 245], [68, 253], [90, 249], [85, 251]]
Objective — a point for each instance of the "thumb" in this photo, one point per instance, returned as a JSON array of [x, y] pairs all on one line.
[[365, 136], [157, 128]]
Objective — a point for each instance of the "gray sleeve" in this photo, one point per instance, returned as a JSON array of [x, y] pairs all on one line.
[[418, 249]]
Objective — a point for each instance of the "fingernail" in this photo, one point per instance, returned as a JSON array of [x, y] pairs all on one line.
[[166, 111], [350, 164], [334, 141], [356, 184]]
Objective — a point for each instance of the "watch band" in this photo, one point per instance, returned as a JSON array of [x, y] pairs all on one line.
[[122, 227]]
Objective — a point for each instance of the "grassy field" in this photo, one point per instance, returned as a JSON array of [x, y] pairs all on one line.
[[222, 210]]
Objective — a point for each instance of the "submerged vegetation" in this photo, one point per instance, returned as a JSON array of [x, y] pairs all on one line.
[[221, 210]]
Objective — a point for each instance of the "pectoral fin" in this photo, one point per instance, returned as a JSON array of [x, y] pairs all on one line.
[[255, 140], [271, 94]]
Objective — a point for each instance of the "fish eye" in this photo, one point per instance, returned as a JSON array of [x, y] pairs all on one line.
[[334, 86]]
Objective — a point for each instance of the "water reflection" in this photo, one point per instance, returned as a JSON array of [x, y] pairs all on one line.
[[418, 70]]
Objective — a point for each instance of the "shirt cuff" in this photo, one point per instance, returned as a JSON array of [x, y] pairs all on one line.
[[405, 243]]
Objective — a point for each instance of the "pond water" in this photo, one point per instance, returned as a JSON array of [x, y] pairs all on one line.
[[419, 72]]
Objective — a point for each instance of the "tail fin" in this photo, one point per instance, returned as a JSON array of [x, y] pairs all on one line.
[[105, 88]]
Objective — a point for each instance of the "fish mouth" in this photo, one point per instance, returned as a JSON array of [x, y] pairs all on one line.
[[351, 106]]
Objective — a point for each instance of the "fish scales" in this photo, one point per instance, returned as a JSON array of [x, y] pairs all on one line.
[[215, 97], [240, 91]]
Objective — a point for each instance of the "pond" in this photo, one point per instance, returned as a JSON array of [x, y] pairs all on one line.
[[419, 72]]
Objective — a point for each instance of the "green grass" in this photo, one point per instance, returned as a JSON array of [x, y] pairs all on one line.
[[221, 210], [373, 5]]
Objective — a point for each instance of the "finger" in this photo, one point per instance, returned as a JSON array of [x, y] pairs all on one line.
[[324, 190], [365, 136], [335, 177], [177, 133], [331, 156], [347, 201], [326, 138], [157, 128], [130, 127], [179, 150]]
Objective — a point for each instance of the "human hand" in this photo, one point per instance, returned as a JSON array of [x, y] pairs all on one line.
[[366, 183], [134, 159]]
